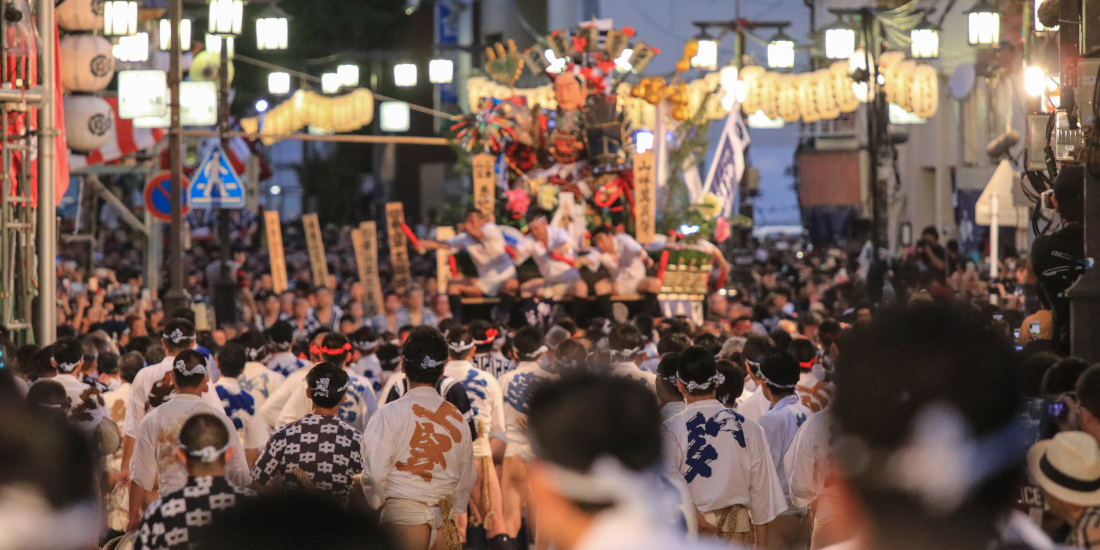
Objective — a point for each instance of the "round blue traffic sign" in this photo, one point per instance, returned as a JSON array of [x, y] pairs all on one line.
[[158, 195]]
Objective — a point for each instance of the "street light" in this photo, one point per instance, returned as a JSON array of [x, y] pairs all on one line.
[[349, 75], [271, 29], [983, 24], [404, 75], [840, 41], [278, 83], [706, 58], [132, 48], [441, 71], [165, 34], [781, 51], [214, 44], [330, 83], [120, 17], [924, 41], [226, 17]]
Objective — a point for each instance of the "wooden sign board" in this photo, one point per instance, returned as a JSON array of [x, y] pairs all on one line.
[[443, 258], [275, 250], [485, 185], [645, 192], [399, 245], [365, 240], [316, 249]]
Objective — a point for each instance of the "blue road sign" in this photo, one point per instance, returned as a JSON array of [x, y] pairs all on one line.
[[216, 185], [158, 193]]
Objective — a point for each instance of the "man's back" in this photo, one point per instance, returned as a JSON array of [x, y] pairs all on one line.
[[1058, 260], [324, 448], [173, 520]]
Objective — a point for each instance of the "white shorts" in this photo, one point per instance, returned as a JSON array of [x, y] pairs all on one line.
[[557, 286], [626, 282], [490, 283], [409, 512]]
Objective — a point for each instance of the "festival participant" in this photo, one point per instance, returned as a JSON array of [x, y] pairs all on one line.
[[812, 390], [627, 352], [203, 448], [597, 441], [155, 384], [270, 312], [359, 401], [303, 322], [668, 391], [259, 380], [517, 385], [365, 342], [487, 356], [626, 261], [318, 451], [274, 404], [239, 404], [327, 312], [118, 500], [487, 406], [87, 408], [811, 477], [418, 453], [414, 313], [554, 253], [779, 372], [155, 465], [496, 273], [722, 456], [283, 361]]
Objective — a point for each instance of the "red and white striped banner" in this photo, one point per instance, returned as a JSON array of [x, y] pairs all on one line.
[[125, 140]]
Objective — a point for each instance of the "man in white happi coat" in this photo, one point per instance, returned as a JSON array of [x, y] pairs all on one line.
[[813, 479], [723, 457], [555, 254], [283, 361], [155, 384], [627, 354], [418, 453], [275, 402], [779, 374], [359, 401], [86, 406], [155, 466], [256, 377], [365, 341], [118, 500], [487, 406], [239, 404], [626, 261]]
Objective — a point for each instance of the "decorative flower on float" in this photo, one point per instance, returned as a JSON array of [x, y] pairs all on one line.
[[709, 207], [548, 197], [721, 230], [518, 202]]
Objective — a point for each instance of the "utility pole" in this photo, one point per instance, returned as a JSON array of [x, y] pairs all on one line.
[[176, 298], [223, 295], [47, 159]]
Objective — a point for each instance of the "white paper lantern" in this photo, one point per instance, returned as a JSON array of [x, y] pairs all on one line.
[[806, 84], [925, 91], [87, 64], [827, 107], [89, 122], [750, 77], [846, 99], [903, 79], [789, 106], [80, 15], [769, 94], [887, 67], [205, 66]]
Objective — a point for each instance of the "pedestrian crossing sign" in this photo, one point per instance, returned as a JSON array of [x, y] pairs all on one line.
[[215, 184]]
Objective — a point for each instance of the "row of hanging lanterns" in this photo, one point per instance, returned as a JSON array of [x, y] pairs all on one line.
[[226, 18]]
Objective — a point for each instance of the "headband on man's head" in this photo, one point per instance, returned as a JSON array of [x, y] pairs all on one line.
[[321, 387], [760, 373], [459, 347], [627, 353], [718, 378], [366, 345], [206, 454], [490, 335], [181, 367], [68, 367], [177, 336], [535, 354], [321, 350], [426, 363]]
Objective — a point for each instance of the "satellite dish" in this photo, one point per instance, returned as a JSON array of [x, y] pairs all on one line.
[[962, 81]]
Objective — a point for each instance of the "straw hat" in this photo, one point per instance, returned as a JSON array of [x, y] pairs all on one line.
[[1067, 468]]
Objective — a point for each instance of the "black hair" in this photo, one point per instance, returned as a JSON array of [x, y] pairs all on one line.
[[697, 364], [527, 342], [645, 325], [129, 365], [568, 324], [139, 344], [803, 350], [446, 325], [1062, 377], [666, 372], [931, 230], [576, 420], [185, 313], [231, 359], [625, 338], [44, 453], [534, 212], [479, 330], [389, 356], [190, 358], [328, 397], [734, 384], [50, 396], [405, 328], [107, 363], [710, 342], [1069, 191], [363, 337], [281, 334], [459, 337], [830, 328], [68, 353], [601, 230], [335, 348], [154, 354], [781, 370], [571, 356], [755, 346], [255, 345], [423, 355], [892, 370], [1032, 369], [178, 334], [203, 430], [673, 343], [781, 338]]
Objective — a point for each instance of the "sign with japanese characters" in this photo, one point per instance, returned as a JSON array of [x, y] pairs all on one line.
[[316, 249], [275, 250], [645, 189], [399, 245], [443, 258], [365, 241], [485, 185]]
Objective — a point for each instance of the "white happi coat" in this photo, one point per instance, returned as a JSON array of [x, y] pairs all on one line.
[[807, 465], [86, 407], [552, 270], [118, 500], [240, 406], [494, 265], [627, 264], [780, 425], [260, 381], [273, 406], [486, 402], [368, 367], [418, 448], [151, 386], [724, 459], [754, 405], [624, 530], [517, 385], [158, 440], [356, 409], [630, 370]]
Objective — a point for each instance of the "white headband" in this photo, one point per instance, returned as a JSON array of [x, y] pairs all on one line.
[[322, 388], [459, 347], [176, 336], [760, 373], [535, 354], [68, 367], [636, 494], [180, 366], [366, 345], [208, 453], [429, 363], [628, 353], [718, 378]]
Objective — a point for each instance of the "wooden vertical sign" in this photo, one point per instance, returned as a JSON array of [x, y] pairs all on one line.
[[645, 190], [399, 246], [275, 250], [316, 249], [485, 185], [365, 240], [443, 259]]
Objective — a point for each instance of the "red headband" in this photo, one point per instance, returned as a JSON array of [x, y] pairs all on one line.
[[490, 335], [806, 365], [319, 350]]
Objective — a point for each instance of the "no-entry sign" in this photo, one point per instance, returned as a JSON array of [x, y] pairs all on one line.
[[158, 195]]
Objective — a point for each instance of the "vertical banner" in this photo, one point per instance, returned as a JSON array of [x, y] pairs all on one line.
[[724, 178], [485, 185], [443, 259], [365, 240], [275, 250], [399, 246], [316, 249], [645, 191]]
